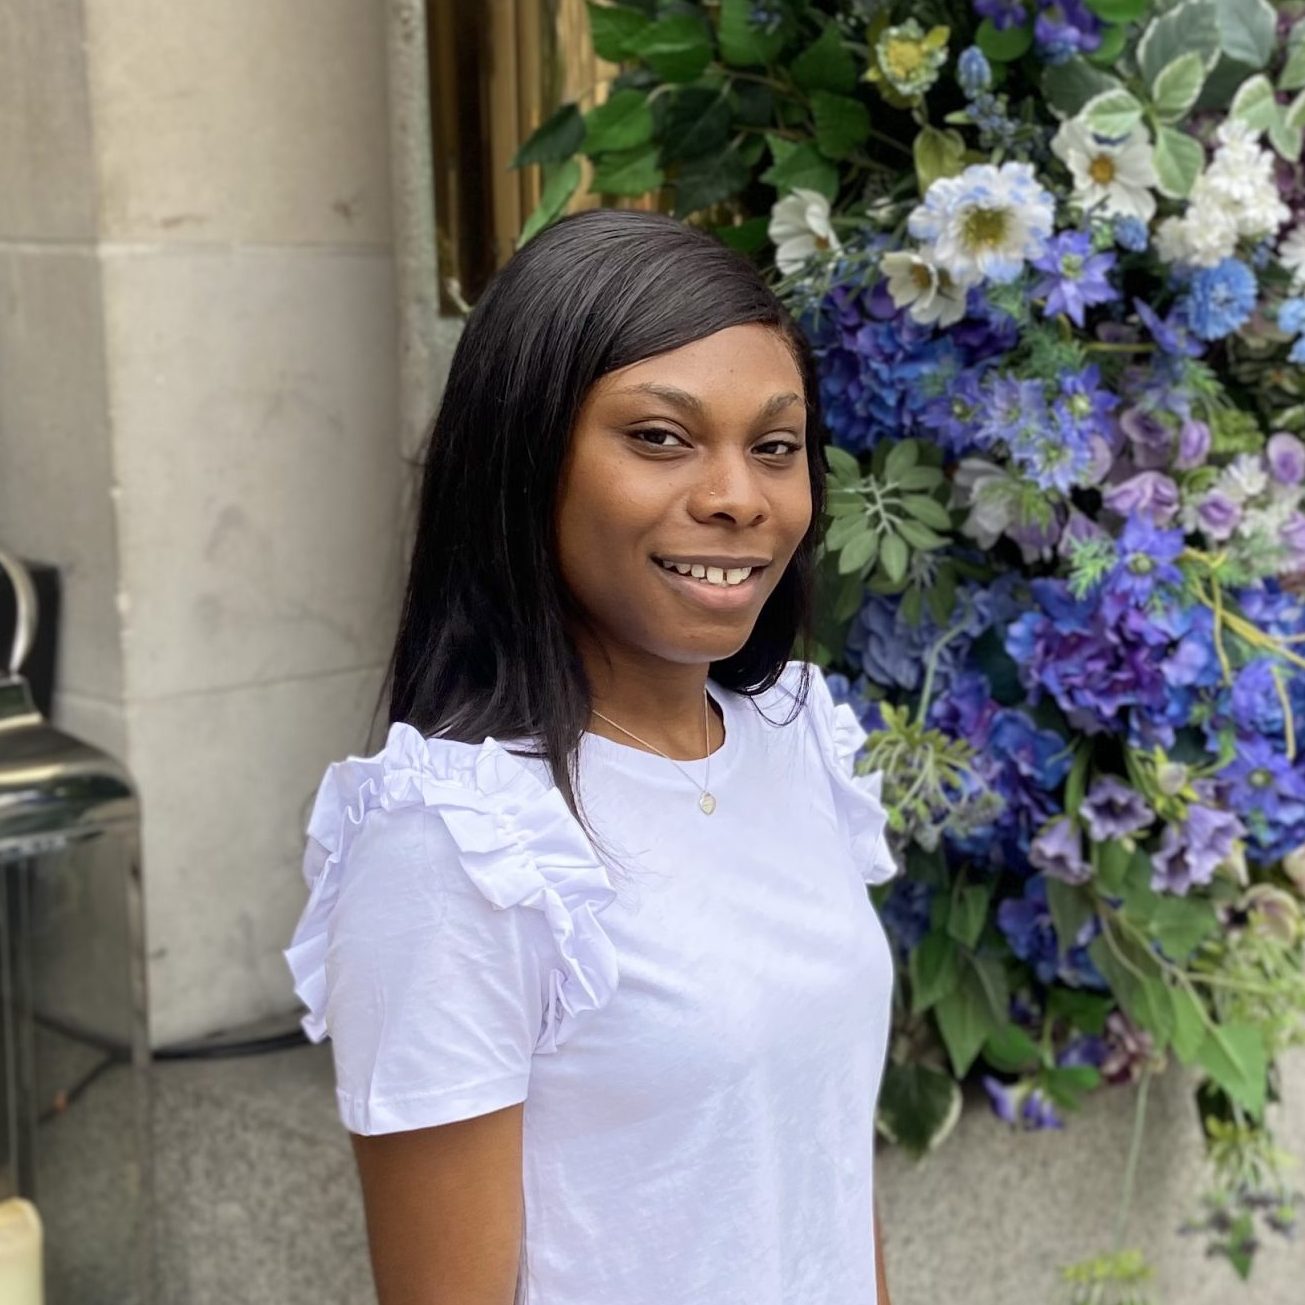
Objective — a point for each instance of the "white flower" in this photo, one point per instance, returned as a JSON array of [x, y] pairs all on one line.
[[1291, 255], [990, 493], [1203, 237], [985, 223], [914, 280], [1113, 178], [1244, 478], [800, 227]]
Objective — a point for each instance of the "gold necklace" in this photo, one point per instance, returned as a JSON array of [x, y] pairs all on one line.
[[706, 802]]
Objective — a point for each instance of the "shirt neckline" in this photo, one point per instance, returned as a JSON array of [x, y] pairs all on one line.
[[653, 766]]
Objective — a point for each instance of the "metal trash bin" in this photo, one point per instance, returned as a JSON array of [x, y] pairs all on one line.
[[75, 1134]]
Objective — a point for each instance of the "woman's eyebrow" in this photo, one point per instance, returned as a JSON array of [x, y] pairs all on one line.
[[691, 403]]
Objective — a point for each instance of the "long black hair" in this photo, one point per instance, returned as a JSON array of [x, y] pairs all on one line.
[[483, 646]]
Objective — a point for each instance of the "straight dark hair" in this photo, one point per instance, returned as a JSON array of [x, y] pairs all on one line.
[[484, 645]]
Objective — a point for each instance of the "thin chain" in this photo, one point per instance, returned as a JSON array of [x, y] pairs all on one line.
[[706, 734]]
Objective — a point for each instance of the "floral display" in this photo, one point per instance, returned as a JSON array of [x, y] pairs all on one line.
[[1051, 257]]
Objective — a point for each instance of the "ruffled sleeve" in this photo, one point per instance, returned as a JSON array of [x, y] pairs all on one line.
[[840, 737], [451, 930]]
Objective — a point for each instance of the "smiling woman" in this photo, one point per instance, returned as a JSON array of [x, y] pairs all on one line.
[[590, 935]]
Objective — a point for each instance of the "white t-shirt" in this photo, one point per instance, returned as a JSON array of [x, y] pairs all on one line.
[[698, 1032]]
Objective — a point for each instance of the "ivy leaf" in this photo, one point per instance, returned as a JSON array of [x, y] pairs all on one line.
[[968, 914], [559, 189], [1113, 40], [1071, 909], [801, 167], [754, 105], [933, 971], [627, 172], [1292, 77], [1233, 1055], [620, 123], [1086, 1011], [1068, 86], [894, 556], [1191, 25], [1119, 11], [1181, 924], [826, 64], [747, 236], [842, 123], [1112, 866], [1011, 1050], [1254, 103], [1003, 45], [1189, 1027], [554, 140], [611, 27], [918, 1106], [1067, 1084], [741, 44], [965, 1020], [703, 182], [1178, 160], [1247, 30], [1112, 113], [677, 49], [697, 123], [1177, 85]]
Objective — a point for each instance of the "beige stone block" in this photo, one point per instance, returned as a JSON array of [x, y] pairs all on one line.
[[48, 191], [255, 445], [227, 781], [991, 1216], [250, 120], [55, 475]]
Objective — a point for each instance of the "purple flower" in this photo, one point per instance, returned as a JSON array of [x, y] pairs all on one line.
[[1151, 439], [1261, 783], [1172, 332], [1112, 809], [1076, 276], [1058, 851], [1065, 28], [1146, 557], [1021, 1104], [1149, 494], [1004, 13], [1219, 515], [1191, 851], [1193, 445], [1286, 457]]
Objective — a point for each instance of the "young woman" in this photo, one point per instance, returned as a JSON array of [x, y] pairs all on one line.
[[590, 935]]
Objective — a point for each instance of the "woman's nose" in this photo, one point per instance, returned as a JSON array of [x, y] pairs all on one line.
[[729, 487]]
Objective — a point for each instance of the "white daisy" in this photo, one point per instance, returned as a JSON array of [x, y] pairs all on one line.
[[915, 281], [985, 223], [800, 227], [1115, 178]]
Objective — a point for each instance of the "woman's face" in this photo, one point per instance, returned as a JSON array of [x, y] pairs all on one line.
[[694, 461]]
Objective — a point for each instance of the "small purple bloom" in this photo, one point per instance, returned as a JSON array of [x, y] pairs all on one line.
[[1150, 494], [1151, 438], [1112, 809], [1193, 445], [1065, 28], [1172, 332], [1286, 457], [1219, 515], [1058, 851], [1192, 851], [1076, 276], [1004, 13]]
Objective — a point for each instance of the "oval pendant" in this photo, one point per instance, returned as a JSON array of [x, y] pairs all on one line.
[[707, 803]]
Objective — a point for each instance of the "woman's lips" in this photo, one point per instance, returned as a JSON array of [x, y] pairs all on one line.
[[710, 597]]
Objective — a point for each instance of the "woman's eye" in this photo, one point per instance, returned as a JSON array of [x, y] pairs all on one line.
[[784, 448], [655, 436]]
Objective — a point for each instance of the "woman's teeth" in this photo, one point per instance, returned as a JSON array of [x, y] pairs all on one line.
[[713, 575]]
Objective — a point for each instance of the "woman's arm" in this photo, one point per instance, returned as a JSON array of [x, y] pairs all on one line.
[[444, 1210], [881, 1278]]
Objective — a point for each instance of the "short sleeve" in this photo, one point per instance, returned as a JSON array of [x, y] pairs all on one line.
[[840, 738], [451, 931]]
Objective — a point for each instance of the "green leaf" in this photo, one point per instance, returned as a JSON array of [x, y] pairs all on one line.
[[1247, 30], [996, 989], [937, 154], [1112, 866], [677, 49], [929, 510], [969, 912], [1189, 1027], [754, 104], [933, 971], [1070, 85], [1181, 924], [1071, 909], [965, 1020], [611, 27], [1113, 40], [557, 192], [703, 182], [1066, 1085], [826, 64], [921, 477], [1003, 46], [1140, 900], [894, 556], [554, 140], [1294, 116], [1254, 103], [742, 45], [747, 236], [1286, 139], [844, 530], [1119, 11], [1178, 160], [858, 554], [697, 123], [1192, 25], [919, 536], [1141, 992], [1177, 85], [1233, 1055], [842, 123], [627, 172], [1112, 113], [1292, 77], [901, 456], [918, 1106], [802, 167], [1076, 783], [942, 597], [1011, 1050], [620, 123], [1086, 1011], [843, 465]]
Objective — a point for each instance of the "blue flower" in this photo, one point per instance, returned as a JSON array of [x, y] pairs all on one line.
[[973, 71], [1172, 332], [1021, 1104], [905, 913], [1220, 299], [1146, 560], [954, 416], [1264, 788], [1131, 233], [1291, 314], [1076, 276], [1004, 13], [1065, 28]]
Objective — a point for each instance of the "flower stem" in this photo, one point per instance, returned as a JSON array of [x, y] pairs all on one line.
[[1134, 1154]]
